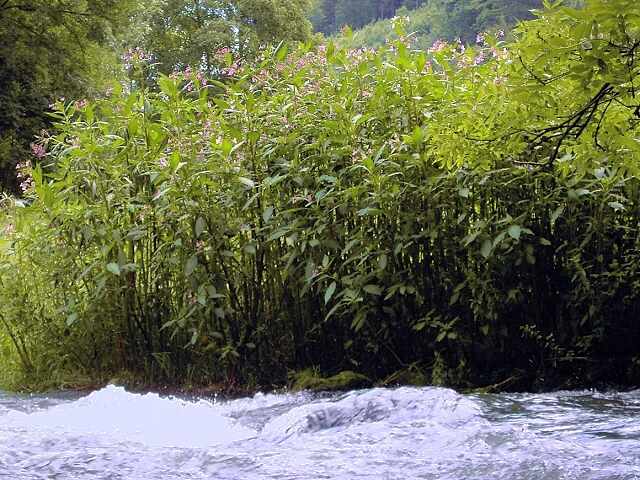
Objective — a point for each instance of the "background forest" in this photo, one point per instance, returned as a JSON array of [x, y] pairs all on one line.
[[232, 192], [445, 19]]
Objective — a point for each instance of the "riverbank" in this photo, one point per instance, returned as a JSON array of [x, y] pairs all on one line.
[[312, 380]]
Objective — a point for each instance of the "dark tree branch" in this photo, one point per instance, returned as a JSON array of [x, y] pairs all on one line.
[[529, 163], [575, 125], [25, 8], [4, 6], [537, 78], [597, 132], [531, 72]]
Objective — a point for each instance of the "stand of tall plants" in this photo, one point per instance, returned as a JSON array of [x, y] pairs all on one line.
[[469, 211]]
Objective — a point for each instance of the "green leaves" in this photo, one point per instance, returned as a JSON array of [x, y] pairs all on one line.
[[556, 214], [486, 249], [200, 226], [515, 231], [373, 289], [190, 265], [267, 214], [329, 292], [113, 268], [247, 182], [281, 52], [168, 86], [383, 261]]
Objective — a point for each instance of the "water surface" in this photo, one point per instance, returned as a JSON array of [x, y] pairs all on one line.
[[403, 433]]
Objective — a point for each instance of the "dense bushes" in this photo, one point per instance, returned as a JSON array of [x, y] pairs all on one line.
[[449, 211]]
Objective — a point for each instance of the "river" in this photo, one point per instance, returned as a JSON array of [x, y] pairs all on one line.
[[403, 433]]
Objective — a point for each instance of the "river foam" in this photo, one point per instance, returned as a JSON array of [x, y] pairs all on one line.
[[147, 419], [403, 433]]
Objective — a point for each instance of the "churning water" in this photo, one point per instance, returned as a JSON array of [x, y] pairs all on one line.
[[405, 433]]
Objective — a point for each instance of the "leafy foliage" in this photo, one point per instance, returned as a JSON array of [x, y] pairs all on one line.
[[469, 211], [49, 49], [183, 33], [71, 48]]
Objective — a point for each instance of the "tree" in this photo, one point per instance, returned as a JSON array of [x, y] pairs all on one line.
[[182, 33], [323, 16], [447, 18], [330, 15], [356, 13], [49, 49]]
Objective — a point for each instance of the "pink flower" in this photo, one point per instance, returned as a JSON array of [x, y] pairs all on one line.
[[438, 46], [261, 77], [27, 183], [231, 71], [480, 38], [201, 79], [135, 55], [206, 130], [23, 167], [164, 163], [9, 229], [479, 60], [221, 53], [38, 150], [80, 104]]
